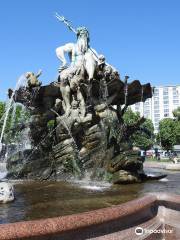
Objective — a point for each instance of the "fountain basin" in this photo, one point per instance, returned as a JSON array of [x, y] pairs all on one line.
[[163, 165], [159, 212], [175, 167]]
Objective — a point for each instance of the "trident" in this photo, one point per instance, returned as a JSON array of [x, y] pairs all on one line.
[[68, 24]]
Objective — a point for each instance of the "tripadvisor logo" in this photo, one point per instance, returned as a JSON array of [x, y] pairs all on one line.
[[140, 231]]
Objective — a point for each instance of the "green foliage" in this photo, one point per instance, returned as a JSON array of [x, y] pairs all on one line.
[[148, 124], [2, 115], [51, 124], [2, 107], [11, 130], [176, 113], [144, 139], [178, 132], [169, 131], [168, 135], [130, 117]]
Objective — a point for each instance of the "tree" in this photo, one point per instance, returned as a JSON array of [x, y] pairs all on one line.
[[144, 136], [2, 106], [13, 120], [178, 133], [167, 135], [176, 113], [131, 117], [2, 112], [169, 131]]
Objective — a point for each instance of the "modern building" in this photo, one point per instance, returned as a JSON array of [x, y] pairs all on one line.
[[165, 99]]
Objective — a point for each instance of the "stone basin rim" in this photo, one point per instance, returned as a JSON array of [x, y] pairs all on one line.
[[65, 224]]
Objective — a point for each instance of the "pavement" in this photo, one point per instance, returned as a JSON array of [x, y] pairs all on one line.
[[162, 165]]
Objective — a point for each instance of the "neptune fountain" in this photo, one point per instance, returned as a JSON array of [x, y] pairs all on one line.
[[76, 124], [74, 130]]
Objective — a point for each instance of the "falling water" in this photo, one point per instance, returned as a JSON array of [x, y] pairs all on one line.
[[5, 109], [68, 130], [13, 114], [89, 184], [105, 94], [75, 165], [39, 144], [104, 98], [2, 118], [21, 82], [70, 134], [25, 142], [6, 117], [51, 132]]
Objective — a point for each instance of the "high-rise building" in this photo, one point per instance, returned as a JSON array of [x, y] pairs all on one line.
[[165, 99]]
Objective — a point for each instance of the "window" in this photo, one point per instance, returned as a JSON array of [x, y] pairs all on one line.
[[156, 102], [157, 128], [156, 123], [146, 103], [156, 92], [176, 101], [156, 111], [156, 98], [137, 104], [156, 107], [165, 90], [165, 97], [175, 91], [146, 108], [166, 110], [175, 97], [146, 113], [166, 114], [166, 102], [166, 106], [157, 115]]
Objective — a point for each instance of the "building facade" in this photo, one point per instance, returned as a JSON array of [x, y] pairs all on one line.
[[165, 99]]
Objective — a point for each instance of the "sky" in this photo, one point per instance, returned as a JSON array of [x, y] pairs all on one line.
[[140, 38]]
